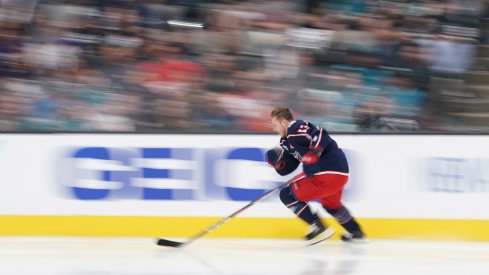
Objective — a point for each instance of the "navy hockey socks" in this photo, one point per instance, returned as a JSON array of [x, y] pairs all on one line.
[[300, 208], [342, 215]]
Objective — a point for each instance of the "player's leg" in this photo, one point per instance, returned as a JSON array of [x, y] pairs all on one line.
[[300, 208], [332, 204], [306, 188], [318, 231]]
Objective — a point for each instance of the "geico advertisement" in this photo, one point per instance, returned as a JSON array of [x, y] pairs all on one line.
[[205, 175], [163, 173]]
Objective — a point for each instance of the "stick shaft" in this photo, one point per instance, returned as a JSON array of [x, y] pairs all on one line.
[[226, 219]]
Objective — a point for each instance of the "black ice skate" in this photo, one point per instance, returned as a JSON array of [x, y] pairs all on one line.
[[318, 233], [356, 236]]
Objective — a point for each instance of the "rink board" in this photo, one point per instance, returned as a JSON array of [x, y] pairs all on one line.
[[400, 186], [468, 230]]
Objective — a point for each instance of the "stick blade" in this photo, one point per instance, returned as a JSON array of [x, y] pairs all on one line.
[[165, 242]]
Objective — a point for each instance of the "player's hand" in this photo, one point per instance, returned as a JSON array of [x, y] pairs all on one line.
[[273, 156], [311, 169]]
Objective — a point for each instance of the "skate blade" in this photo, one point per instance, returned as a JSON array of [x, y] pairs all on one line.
[[322, 237], [357, 241]]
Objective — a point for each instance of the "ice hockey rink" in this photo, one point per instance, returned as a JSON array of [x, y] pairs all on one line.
[[127, 256]]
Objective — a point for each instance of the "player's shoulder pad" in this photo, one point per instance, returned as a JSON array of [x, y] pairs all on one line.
[[294, 126], [298, 124]]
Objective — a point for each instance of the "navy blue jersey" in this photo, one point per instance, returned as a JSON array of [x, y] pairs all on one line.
[[303, 136]]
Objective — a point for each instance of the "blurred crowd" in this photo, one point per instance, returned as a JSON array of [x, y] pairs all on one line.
[[209, 66]]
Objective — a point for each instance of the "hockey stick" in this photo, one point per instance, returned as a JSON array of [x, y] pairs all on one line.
[[165, 242]]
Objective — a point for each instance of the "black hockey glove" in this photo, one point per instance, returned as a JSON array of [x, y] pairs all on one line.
[[274, 157], [311, 169]]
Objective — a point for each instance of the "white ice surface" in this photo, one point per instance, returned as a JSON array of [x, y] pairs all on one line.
[[140, 256]]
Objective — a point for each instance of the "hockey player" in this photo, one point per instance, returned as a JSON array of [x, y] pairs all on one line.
[[325, 173]]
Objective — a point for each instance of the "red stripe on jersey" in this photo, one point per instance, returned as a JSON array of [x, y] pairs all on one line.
[[320, 137]]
